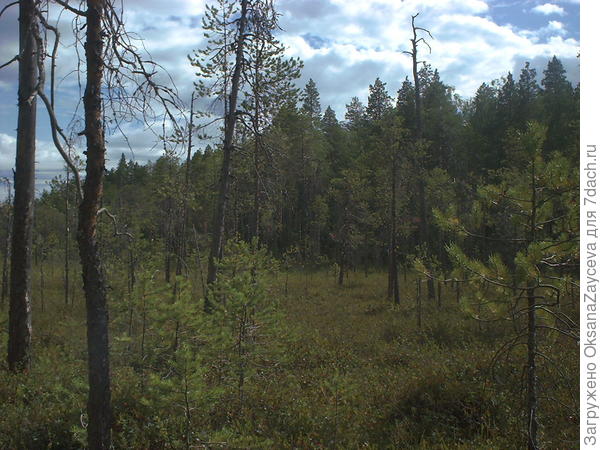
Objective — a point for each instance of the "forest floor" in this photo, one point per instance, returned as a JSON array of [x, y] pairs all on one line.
[[344, 369], [394, 384]]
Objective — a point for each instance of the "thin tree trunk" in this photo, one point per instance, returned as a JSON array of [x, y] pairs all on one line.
[[7, 242], [67, 239], [256, 221], [19, 321], [393, 269], [181, 238], [42, 284], [423, 226], [532, 422], [342, 264], [218, 231], [99, 397], [419, 303], [168, 240]]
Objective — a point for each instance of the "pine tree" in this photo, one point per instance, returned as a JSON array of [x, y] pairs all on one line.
[[559, 106], [405, 104], [355, 113], [507, 102], [329, 120], [19, 322], [533, 210], [528, 91], [229, 32], [379, 102], [310, 101], [269, 76]]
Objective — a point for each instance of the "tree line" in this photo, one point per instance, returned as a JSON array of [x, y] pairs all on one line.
[[480, 191]]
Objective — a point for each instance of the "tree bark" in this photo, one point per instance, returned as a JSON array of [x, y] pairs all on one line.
[[99, 398], [393, 267], [532, 422], [67, 239], [342, 267], [532, 397], [19, 323], [423, 226], [7, 244], [218, 231]]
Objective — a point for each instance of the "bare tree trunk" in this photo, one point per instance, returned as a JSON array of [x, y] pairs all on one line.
[[393, 268], [67, 239], [341, 272], [256, 221], [419, 312], [532, 397], [423, 225], [42, 282], [99, 398], [532, 422], [218, 231], [19, 322], [7, 242], [181, 239], [168, 240]]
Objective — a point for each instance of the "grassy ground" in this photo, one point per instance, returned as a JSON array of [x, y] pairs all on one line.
[[340, 368]]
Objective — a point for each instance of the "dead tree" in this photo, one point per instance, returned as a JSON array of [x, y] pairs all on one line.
[[114, 69], [19, 323], [94, 285], [7, 241], [422, 201]]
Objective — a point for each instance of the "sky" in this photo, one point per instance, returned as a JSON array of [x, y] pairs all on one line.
[[345, 46]]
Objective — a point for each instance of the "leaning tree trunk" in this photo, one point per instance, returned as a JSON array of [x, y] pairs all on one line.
[[98, 407], [19, 323], [218, 231]]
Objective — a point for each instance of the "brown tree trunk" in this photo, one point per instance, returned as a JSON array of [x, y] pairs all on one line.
[[218, 230], [532, 397], [532, 422], [19, 322], [98, 407]]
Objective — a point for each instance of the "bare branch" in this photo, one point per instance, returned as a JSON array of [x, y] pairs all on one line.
[[55, 129], [114, 221], [8, 63], [8, 6], [66, 5]]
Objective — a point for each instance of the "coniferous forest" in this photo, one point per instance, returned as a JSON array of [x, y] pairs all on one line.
[[400, 274]]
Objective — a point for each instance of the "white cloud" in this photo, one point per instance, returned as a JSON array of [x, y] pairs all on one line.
[[556, 27], [345, 46], [548, 8]]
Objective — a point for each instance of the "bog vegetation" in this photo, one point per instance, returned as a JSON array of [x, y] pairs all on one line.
[[404, 277]]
